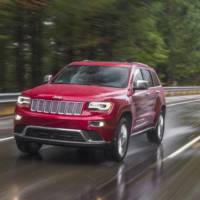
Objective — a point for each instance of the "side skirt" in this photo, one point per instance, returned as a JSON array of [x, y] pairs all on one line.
[[142, 131]]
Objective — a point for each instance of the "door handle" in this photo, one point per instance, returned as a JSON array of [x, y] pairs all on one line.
[[157, 92], [147, 94]]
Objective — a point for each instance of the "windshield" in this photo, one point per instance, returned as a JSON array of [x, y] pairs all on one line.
[[94, 75]]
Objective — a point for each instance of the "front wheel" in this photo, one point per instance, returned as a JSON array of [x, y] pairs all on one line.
[[156, 135], [28, 147], [120, 143]]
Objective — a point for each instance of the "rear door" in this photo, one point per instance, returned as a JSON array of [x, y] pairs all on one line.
[[159, 93]]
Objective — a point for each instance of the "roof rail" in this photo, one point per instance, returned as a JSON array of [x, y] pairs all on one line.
[[139, 63]]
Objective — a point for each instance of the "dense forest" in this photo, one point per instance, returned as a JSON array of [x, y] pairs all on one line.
[[40, 36]]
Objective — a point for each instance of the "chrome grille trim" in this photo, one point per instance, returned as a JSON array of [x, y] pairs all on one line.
[[34, 105], [61, 109], [40, 105], [56, 107], [47, 106]]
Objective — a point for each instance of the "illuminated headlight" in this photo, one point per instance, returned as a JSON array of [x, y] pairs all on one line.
[[24, 101], [100, 106], [18, 117]]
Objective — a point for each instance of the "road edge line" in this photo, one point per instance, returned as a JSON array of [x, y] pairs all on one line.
[[182, 103], [182, 149], [6, 139]]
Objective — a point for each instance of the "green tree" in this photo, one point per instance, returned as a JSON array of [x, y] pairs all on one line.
[[40, 36]]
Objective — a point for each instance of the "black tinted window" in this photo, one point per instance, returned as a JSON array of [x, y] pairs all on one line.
[[137, 76], [147, 77], [155, 79], [94, 75]]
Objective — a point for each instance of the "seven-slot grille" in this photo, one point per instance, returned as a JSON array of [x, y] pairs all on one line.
[[56, 107]]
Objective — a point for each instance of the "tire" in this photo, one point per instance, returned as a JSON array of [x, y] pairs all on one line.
[[156, 135], [28, 147], [120, 142]]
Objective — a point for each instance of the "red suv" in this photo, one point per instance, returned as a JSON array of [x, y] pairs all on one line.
[[92, 104]]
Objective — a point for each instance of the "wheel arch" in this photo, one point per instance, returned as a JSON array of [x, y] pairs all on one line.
[[159, 107], [163, 109], [127, 115]]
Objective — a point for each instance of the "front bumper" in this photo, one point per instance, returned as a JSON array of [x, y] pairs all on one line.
[[80, 122], [60, 136]]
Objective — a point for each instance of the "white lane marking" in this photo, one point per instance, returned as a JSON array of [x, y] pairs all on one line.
[[183, 148], [6, 139], [182, 103]]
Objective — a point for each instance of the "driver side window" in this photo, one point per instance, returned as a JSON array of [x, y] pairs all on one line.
[[137, 77]]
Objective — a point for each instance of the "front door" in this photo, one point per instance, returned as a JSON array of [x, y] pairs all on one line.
[[140, 102]]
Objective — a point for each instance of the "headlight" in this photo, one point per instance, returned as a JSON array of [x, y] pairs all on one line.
[[100, 106], [24, 101]]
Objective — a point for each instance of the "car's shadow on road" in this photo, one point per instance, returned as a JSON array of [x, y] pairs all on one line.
[[75, 156], [62, 155]]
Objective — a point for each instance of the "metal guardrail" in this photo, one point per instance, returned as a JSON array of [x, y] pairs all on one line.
[[182, 88], [12, 97], [8, 97]]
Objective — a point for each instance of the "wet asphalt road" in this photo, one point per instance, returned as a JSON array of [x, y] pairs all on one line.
[[64, 173]]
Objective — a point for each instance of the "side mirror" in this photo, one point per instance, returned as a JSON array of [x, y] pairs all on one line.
[[47, 78], [141, 85]]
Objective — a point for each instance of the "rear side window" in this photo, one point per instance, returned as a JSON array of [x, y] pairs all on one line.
[[137, 77], [147, 77], [155, 79]]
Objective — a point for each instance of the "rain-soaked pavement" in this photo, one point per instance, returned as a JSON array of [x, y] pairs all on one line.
[[59, 173]]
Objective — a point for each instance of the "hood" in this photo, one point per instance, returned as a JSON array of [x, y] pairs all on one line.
[[74, 92]]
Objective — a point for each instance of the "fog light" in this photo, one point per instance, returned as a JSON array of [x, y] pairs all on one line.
[[97, 123], [18, 117]]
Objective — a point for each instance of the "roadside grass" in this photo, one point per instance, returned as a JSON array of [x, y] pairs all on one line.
[[6, 110], [182, 93]]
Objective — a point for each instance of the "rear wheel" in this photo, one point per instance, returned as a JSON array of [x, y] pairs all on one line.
[[28, 147], [120, 143], [156, 135]]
